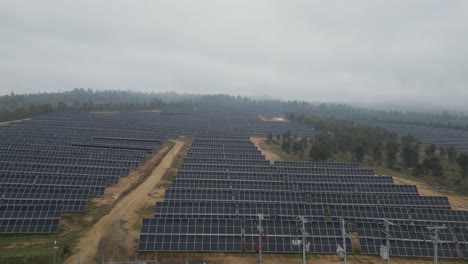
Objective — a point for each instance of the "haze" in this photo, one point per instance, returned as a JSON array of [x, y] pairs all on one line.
[[372, 52]]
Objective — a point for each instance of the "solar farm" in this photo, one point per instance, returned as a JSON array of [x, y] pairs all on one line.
[[440, 137], [226, 197]]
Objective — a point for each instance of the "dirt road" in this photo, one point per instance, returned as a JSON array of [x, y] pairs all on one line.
[[117, 227]]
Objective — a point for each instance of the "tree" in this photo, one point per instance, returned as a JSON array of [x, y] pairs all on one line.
[[301, 153], [418, 169], [278, 137], [391, 150], [451, 154], [442, 151], [359, 152], [320, 151], [61, 106], [462, 161], [408, 140], [430, 150], [322, 147], [286, 146], [270, 137], [377, 153], [296, 146], [305, 142], [410, 156], [437, 168], [434, 165]]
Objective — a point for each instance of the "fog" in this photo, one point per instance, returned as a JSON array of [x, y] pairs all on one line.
[[369, 52]]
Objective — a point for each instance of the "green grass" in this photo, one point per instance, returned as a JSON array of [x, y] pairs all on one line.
[[8, 239], [34, 250]]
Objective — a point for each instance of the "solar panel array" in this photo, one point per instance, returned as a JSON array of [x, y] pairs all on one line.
[[438, 136], [214, 183], [54, 162], [238, 169], [408, 240]]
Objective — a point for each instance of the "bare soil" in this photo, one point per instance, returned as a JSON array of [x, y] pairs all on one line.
[[456, 201], [114, 236], [113, 192], [153, 111], [269, 155], [272, 119], [8, 122]]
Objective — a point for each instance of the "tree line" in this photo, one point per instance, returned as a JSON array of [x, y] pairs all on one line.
[[378, 145], [21, 106]]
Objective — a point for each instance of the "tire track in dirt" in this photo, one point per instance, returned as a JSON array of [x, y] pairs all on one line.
[[119, 220]]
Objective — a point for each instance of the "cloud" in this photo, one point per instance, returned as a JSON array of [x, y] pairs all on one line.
[[352, 51]]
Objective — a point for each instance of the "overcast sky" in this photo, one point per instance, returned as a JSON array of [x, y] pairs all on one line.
[[361, 51]]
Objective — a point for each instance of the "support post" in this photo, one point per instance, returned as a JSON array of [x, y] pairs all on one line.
[[303, 243], [387, 225], [260, 237], [343, 234], [435, 239]]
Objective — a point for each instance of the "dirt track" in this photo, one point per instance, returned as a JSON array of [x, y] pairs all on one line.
[[116, 226], [268, 154]]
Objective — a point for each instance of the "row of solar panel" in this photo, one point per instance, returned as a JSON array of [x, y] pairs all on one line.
[[93, 162], [306, 164], [246, 176], [227, 161], [272, 169], [63, 169], [93, 190], [411, 240], [274, 196], [294, 186], [56, 179], [38, 147], [227, 235], [353, 213]]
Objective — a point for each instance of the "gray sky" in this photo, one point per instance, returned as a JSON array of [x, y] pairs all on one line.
[[361, 51]]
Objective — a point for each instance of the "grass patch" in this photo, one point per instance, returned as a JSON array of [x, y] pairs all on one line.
[[278, 151]]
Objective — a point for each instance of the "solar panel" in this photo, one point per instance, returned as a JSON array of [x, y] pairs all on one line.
[[204, 235], [405, 240]]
